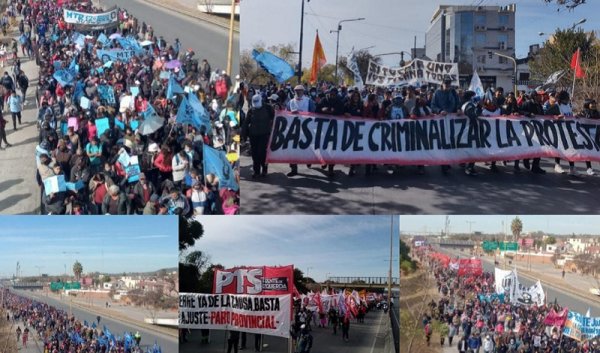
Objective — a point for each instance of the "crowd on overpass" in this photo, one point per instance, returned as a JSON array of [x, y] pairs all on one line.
[[473, 319], [155, 132], [60, 332]]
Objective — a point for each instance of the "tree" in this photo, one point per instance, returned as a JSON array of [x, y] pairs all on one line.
[[516, 227], [550, 240], [300, 281], [205, 282], [254, 74], [556, 55], [555, 257], [189, 263], [77, 269], [326, 74], [362, 59]]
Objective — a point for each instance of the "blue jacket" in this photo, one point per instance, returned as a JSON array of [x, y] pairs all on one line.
[[14, 103], [447, 101]]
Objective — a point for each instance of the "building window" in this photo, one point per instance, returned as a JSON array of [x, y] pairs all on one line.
[[480, 39], [503, 20], [480, 20], [481, 59], [502, 60], [503, 41]]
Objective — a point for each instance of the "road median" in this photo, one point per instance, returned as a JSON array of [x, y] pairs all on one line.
[[195, 13]]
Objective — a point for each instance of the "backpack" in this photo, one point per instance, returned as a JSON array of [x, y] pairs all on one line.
[[428, 329]]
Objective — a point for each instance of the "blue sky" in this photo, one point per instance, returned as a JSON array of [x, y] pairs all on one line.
[[105, 244], [389, 25], [493, 224], [339, 245]]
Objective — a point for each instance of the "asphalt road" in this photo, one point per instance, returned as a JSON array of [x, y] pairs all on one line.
[[564, 298], [367, 337], [168, 344], [406, 192], [209, 41]]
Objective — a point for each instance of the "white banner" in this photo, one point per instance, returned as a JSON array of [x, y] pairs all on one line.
[[306, 138], [530, 295], [264, 314], [417, 72], [506, 282], [84, 18], [353, 66]]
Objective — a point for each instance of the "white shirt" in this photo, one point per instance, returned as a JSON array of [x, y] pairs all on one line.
[[300, 105], [565, 109]]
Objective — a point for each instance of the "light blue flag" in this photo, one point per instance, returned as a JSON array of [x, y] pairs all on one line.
[[186, 114], [194, 102], [102, 38], [78, 93], [215, 162], [274, 65], [78, 39], [74, 67], [64, 77], [149, 112], [57, 64], [173, 87]]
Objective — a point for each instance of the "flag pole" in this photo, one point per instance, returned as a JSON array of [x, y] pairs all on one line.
[[577, 63]]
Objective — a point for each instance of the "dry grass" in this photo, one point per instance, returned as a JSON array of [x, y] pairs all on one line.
[[412, 293], [8, 341]]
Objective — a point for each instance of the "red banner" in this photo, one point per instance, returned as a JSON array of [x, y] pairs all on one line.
[[556, 318], [470, 267], [256, 280], [443, 259]]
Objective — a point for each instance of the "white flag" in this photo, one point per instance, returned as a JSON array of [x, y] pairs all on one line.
[[353, 66], [476, 85]]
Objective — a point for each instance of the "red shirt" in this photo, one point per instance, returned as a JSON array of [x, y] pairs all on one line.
[[99, 194]]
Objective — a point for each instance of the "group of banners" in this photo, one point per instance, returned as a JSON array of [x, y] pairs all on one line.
[[308, 138], [250, 299], [507, 282]]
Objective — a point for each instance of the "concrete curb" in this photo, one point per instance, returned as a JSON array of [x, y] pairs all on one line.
[[198, 15]]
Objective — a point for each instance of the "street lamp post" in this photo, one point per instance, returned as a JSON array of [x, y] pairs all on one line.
[[230, 44], [514, 68], [337, 42], [299, 73], [401, 53]]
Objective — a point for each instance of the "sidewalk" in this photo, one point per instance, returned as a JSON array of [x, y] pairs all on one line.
[[19, 192]]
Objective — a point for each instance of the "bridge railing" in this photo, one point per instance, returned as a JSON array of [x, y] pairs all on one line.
[[363, 280]]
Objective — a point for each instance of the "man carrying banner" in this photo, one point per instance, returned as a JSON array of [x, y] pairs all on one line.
[[445, 101], [300, 103], [258, 125]]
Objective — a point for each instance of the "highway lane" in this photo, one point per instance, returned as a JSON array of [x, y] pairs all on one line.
[[564, 298], [168, 344], [209, 41], [367, 337]]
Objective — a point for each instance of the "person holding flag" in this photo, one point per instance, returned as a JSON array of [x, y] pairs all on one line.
[[257, 126]]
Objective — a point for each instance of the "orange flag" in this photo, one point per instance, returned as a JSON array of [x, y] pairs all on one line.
[[576, 64], [318, 61]]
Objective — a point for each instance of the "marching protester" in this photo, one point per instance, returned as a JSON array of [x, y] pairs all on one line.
[[134, 115]]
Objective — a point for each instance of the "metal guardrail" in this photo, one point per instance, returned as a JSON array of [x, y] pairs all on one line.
[[395, 320]]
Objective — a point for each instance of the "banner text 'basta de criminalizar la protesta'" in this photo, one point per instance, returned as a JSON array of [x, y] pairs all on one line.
[[417, 72], [250, 299], [306, 138]]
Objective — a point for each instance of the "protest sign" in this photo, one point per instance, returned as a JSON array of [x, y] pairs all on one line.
[[74, 186], [135, 90], [84, 18], [467, 267], [119, 124], [74, 123], [580, 327], [133, 169], [555, 318], [101, 126], [417, 72], [491, 297], [263, 280], [107, 94], [84, 103], [261, 314], [54, 184], [321, 139], [530, 295], [124, 159]]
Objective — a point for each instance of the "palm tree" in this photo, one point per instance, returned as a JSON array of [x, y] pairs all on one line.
[[77, 269], [516, 226]]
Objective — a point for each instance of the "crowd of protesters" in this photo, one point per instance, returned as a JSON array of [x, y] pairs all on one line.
[[171, 177], [474, 321], [59, 332], [404, 103]]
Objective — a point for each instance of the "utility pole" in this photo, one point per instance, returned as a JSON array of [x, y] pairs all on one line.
[[391, 259], [230, 48], [299, 73]]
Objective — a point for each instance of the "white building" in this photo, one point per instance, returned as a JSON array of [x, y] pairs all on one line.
[[468, 35], [130, 282]]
